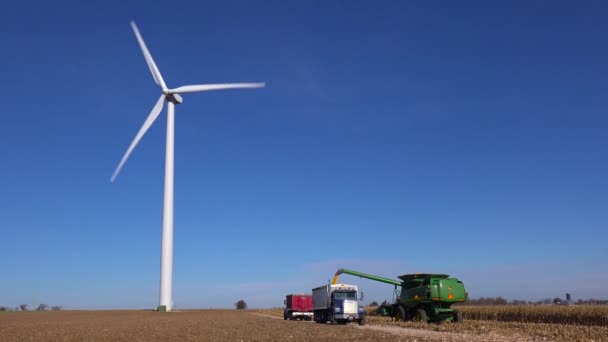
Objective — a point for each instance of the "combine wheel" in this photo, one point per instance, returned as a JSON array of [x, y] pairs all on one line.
[[420, 316], [362, 322], [333, 320], [399, 313], [457, 316]]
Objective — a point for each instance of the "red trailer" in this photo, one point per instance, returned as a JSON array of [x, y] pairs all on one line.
[[298, 306]]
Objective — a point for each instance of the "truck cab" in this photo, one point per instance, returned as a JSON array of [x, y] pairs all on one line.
[[338, 304]]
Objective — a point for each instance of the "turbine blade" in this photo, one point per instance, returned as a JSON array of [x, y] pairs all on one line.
[[158, 78], [208, 87], [158, 107]]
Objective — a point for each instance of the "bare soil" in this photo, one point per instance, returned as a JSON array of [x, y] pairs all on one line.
[[190, 325], [483, 330], [264, 325]]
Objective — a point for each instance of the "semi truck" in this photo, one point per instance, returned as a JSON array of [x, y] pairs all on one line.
[[298, 306], [337, 304]]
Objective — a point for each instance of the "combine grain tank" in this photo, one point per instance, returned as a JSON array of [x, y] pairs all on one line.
[[298, 306]]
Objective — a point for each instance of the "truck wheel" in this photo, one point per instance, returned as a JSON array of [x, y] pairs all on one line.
[[420, 316], [399, 313], [457, 316], [285, 315]]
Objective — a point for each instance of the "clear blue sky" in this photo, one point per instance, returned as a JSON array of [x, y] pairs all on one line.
[[393, 137]]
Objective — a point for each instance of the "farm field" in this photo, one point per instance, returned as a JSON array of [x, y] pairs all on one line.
[[592, 315], [497, 330], [268, 325], [189, 325], [510, 323]]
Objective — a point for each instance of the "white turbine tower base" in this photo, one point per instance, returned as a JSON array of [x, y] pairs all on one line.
[[172, 97]]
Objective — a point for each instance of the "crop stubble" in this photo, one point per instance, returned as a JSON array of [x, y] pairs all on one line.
[[238, 325], [190, 325], [514, 323]]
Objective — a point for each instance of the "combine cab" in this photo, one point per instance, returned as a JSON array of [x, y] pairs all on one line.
[[422, 297]]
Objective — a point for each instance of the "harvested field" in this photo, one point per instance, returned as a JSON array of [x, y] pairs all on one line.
[[191, 325], [265, 325], [493, 330]]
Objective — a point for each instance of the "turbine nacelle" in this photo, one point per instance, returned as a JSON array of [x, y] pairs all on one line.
[[175, 98]]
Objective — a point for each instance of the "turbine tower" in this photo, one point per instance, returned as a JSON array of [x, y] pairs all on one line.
[[172, 97]]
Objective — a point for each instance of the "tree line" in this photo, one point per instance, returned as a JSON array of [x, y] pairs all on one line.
[[24, 307], [557, 300]]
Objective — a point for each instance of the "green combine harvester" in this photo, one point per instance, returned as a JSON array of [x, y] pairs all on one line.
[[423, 297]]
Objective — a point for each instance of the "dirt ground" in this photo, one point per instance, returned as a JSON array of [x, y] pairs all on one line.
[[263, 325], [195, 325], [480, 330]]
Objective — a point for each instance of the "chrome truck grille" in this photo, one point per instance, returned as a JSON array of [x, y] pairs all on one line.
[[350, 307]]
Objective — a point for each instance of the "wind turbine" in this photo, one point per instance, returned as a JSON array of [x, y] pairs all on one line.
[[172, 97]]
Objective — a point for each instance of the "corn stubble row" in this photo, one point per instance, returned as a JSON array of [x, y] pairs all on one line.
[[553, 323], [589, 315], [511, 331]]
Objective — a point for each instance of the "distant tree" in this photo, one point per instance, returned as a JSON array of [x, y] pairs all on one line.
[[16, 308], [486, 301], [23, 307], [4, 308], [240, 305], [373, 304], [500, 301], [56, 308], [42, 307]]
